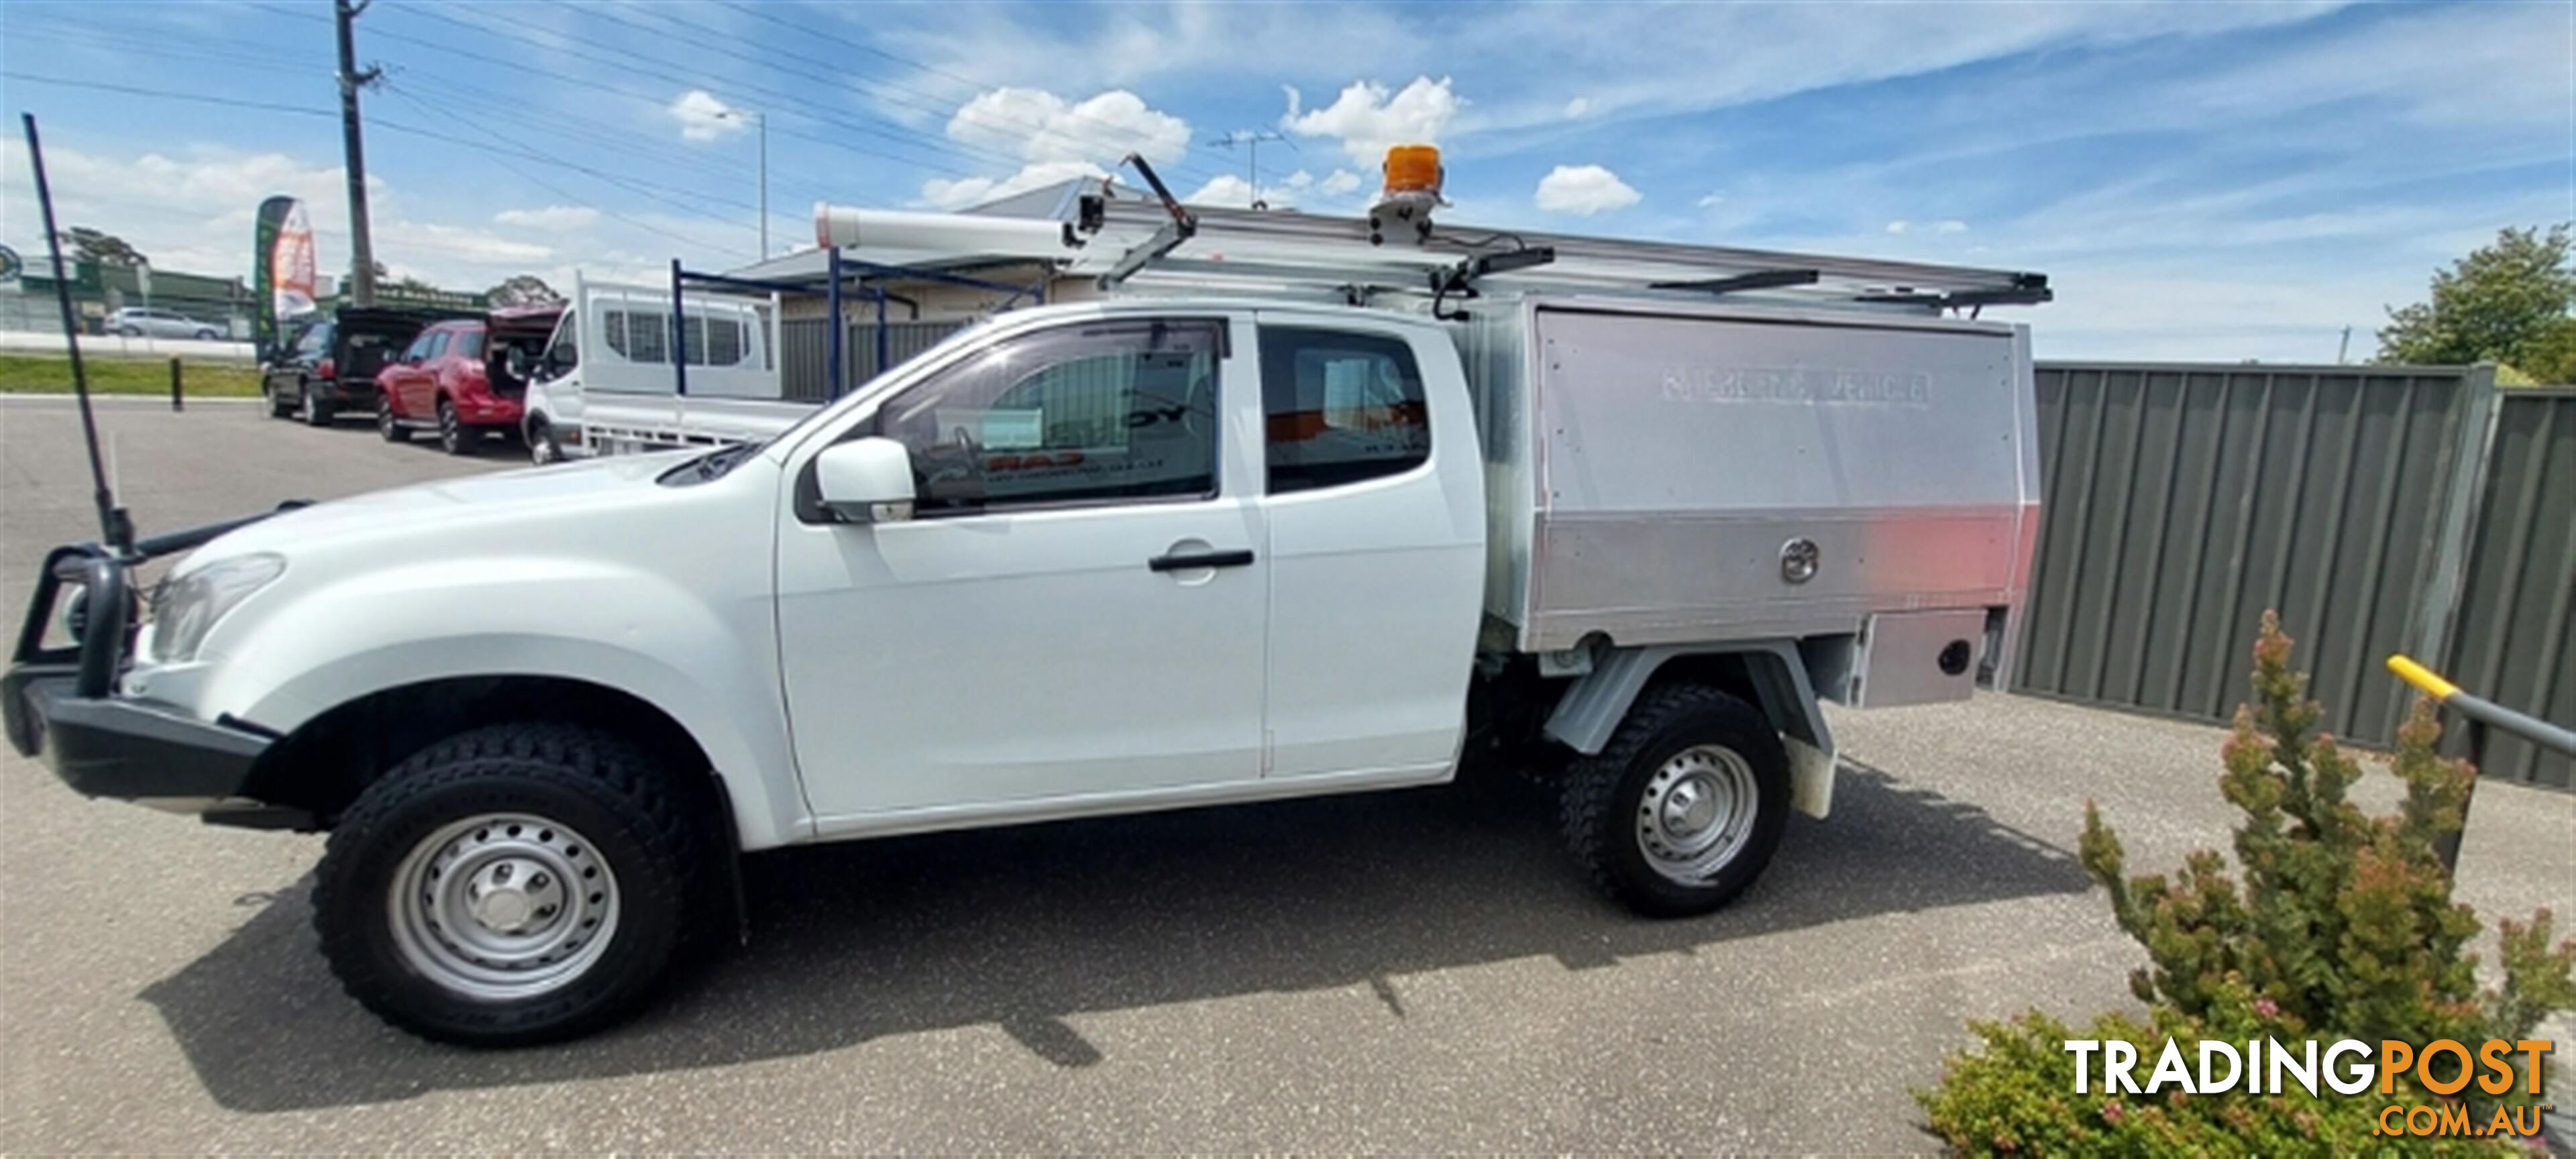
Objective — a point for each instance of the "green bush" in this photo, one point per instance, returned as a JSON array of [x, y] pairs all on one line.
[[2332, 924]]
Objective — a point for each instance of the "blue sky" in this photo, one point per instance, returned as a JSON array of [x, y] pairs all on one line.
[[2202, 181]]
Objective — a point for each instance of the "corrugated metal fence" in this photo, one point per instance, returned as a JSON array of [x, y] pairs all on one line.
[[2380, 509], [804, 350]]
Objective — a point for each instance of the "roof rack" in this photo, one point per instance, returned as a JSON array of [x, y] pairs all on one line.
[[1159, 241]]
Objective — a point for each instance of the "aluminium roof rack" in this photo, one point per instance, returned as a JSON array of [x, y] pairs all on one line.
[[1160, 241]]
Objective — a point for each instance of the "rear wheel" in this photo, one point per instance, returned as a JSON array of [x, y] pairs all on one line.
[[515, 884], [453, 438], [1685, 806], [317, 413], [208, 336], [388, 425]]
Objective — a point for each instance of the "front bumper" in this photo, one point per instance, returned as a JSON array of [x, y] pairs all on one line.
[[61, 703], [128, 749]]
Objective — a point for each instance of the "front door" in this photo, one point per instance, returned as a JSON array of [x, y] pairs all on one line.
[[1076, 609]]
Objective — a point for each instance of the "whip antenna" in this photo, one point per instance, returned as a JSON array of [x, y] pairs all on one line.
[[114, 525]]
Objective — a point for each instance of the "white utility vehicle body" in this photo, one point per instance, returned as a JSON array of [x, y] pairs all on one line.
[[1219, 535], [606, 383]]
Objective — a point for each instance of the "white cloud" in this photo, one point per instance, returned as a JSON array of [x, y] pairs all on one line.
[[1298, 180], [552, 217], [1368, 118], [1584, 190], [1224, 189], [1899, 225], [1339, 182], [1577, 108], [702, 117], [1952, 225], [1056, 139], [1039, 126], [943, 193], [1710, 200]]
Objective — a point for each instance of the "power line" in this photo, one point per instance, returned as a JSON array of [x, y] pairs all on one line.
[[1120, 143], [774, 97], [908, 62], [398, 127], [560, 192]]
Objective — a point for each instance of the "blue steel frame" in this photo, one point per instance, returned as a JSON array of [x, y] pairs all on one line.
[[838, 270]]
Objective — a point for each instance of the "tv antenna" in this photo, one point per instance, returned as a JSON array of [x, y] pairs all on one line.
[[1250, 140]]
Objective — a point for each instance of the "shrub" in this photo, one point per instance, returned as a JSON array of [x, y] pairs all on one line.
[[2332, 924]]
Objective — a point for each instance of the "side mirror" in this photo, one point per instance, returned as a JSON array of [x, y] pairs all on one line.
[[865, 480]]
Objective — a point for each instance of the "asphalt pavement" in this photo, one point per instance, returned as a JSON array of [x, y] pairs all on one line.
[[1415, 971]]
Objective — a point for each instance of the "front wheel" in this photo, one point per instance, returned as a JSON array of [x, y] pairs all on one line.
[[389, 426], [516, 884], [542, 447], [1685, 806], [276, 406]]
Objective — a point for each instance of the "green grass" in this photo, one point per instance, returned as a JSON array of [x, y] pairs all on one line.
[[50, 374]]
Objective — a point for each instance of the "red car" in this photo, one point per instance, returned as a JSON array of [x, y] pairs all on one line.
[[455, 379]]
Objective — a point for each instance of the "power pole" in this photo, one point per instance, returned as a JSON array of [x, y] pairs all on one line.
[[362, 251], [2344, 347]]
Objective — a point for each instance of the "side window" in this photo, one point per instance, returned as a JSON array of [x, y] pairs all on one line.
[[564, 353], [418, 350], [469, 344], [437, 345], [315, 341], [724, 341], [1114, 410], [1340, 407]]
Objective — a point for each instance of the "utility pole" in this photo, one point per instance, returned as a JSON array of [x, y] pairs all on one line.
[[1250, 140], [362, 251], [2344, 347]]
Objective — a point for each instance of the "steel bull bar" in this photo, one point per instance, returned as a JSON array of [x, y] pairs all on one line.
[[62, 698]]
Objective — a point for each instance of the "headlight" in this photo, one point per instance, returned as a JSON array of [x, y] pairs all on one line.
[[186, 608]]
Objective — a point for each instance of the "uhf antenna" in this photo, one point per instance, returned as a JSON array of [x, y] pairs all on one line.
[[1250, 140], [114, 525]]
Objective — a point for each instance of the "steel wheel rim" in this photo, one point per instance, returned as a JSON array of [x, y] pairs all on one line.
[[310, 409], [542, 447], [447, 428], [385, 417], [502, 906], [1697, 813]]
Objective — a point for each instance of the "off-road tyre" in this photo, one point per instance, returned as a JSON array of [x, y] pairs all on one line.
[[650, 827], [1604, 796]]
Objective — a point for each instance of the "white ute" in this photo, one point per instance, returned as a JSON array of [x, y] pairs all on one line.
[[1167, 548]]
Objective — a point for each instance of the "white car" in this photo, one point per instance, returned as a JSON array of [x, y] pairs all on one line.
[[1086, 559], [134, 322]]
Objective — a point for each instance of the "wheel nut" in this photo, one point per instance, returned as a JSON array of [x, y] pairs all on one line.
[[536, 881]]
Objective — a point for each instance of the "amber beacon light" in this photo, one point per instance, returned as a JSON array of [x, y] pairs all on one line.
[[1413, 179]]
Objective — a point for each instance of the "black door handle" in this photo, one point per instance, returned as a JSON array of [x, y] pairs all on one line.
[[1176, 561]]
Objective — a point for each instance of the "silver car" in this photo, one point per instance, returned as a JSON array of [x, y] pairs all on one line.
[[138, 323]]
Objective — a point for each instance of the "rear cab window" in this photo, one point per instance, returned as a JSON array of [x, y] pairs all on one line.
[[1340, 407]]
